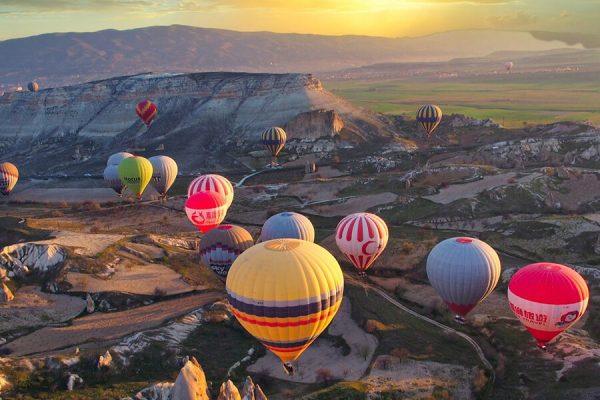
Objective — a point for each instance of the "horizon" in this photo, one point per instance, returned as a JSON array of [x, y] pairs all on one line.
[[377, 18]]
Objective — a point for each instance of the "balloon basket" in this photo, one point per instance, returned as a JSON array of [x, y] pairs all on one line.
[[288, 369], [459, 319]]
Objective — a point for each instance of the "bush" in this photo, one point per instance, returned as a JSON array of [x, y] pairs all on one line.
[[324, 375]]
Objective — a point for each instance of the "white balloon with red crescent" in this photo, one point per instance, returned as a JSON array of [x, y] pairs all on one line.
[[362, 237]]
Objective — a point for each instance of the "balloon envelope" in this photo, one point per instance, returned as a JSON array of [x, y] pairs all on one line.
[[9, 175], [147, 111], [429, 116], [463, 271], [33, 86], [164, 173], [135, 172], [116, 158], [362, 237], [212, 183], [285, 292], [221, 246], [288, 225], [206, 210], [547, 298], [112, 180], [274, 140]]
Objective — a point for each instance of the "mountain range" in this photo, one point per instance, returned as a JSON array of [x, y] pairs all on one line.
[[59, 59]]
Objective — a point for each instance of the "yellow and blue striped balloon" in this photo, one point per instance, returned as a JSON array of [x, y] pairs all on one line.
[[285, 292], [274, 140], [429, 116]]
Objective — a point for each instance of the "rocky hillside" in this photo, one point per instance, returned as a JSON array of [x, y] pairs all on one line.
[[73, 129]]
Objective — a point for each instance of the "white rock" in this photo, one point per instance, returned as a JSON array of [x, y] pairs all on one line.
[[91, 306], [21, 259], [105, 360], [73, 380]]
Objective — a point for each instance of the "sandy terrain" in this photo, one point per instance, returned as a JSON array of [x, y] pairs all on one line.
[[147, 279], [471, 189], [31, 307], [86, 244], [354, 205], [109, 326], [419, 377], [323, 354]]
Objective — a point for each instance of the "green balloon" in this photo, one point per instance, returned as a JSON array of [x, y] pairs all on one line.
[[135, 173]]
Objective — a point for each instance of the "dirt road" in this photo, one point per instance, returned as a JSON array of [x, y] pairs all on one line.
[[108, 326]]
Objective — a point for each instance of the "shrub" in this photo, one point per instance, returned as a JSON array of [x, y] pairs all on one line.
[[324, 375]]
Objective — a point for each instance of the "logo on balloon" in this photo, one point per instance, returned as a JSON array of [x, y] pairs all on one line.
[[568, 318], [198, 217]]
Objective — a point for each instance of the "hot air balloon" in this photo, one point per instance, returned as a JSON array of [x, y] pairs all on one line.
[[288, 225], [463, 271], [212, 183], [147, 111], [164, 172], [112, 180], [206, 210], [9, 175], [547, 298], [116, 158], [509, 65], [136, 173], [221, 246], [285, 292], [362, 237], [274, 140], [429, 116], [33, 86]]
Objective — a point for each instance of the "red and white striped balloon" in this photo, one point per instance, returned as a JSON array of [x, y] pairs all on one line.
[[212, 183], [362, 237]]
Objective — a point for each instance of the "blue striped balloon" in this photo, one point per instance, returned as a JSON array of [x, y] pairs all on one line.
[[288, 225]]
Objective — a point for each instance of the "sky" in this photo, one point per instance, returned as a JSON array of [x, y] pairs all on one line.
[[391, 18]]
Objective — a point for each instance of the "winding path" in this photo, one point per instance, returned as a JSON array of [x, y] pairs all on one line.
[[445, 328]]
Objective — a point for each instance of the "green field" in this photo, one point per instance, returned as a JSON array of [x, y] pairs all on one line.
[[511, 100]]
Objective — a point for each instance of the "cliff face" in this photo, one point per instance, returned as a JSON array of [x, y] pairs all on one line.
[[200, 116]]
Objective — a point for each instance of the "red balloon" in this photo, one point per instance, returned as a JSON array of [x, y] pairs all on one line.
[[206, 210], [147, 111], [547, 298]]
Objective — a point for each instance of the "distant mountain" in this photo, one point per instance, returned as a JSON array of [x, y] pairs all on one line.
[[205, 120], [581, 62], [67, 58]]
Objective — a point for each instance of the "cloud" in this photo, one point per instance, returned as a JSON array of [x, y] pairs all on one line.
[[518, 20], [24, 6]]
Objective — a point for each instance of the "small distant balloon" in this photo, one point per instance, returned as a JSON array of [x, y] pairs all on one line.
[[221, 246], [164, 173], [429, 116], [116, 158], [212, 183], [206, 210], [33, 86], [136, 173], [147, 111], [288, 225], [112, 180], [362, 237], [509, 65], [274, 140], [9, 175]]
